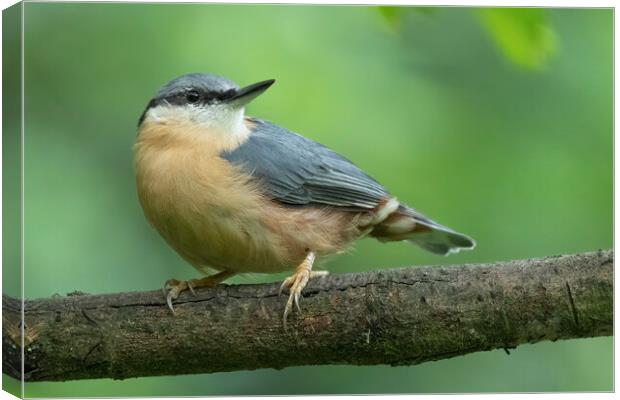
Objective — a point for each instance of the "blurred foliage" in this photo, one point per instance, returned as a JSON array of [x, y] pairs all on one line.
[[523, 35], [392, 15], [520, 161]]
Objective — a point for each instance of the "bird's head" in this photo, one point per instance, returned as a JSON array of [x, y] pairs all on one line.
[[203, 100]]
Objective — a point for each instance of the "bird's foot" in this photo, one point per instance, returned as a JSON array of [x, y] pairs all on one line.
[[297, 282], [174, 287]]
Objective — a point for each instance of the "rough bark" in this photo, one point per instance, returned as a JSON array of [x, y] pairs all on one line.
[[398, 316]]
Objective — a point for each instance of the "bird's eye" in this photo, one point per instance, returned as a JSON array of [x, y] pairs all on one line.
[[192, 96]]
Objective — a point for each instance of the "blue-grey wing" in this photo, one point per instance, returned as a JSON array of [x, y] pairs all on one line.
[[295, 170]]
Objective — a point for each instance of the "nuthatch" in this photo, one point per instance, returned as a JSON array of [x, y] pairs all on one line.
[[239, 194]]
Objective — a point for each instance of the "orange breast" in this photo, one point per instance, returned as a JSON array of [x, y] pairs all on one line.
[[213, 215]]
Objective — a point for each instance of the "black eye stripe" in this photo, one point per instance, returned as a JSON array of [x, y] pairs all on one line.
[[193, 96], [226, 94], [180, 98]]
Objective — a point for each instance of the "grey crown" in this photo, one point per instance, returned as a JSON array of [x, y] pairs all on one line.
[[204, 82]]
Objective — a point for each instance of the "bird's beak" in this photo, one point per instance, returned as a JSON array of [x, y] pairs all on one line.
[[243, 96]]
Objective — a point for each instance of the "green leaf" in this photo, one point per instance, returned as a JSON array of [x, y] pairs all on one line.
[[392, 16], [523, 35]]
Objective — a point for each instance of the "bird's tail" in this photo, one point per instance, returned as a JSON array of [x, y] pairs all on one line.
[[408, 224]]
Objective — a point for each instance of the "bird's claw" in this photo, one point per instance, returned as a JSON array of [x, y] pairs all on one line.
[[295, 285], [169, 302], [172, 288], [288, 282], [190, 286], [297, 302]]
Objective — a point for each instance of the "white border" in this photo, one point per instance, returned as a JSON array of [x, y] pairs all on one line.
[[479, 3]]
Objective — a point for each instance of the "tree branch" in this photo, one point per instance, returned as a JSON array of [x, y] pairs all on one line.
[[398, 317]]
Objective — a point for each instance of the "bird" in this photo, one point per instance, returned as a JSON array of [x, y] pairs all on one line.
[[235, 194]]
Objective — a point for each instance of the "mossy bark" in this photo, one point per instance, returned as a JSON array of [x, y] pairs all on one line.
[[398, 317]]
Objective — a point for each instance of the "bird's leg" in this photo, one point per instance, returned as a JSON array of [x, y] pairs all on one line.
[[297, 282], [174, 287]]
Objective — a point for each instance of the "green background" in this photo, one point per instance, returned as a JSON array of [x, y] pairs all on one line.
[[497, 123]]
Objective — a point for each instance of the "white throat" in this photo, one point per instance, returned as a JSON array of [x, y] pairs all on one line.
[[217, 117]]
